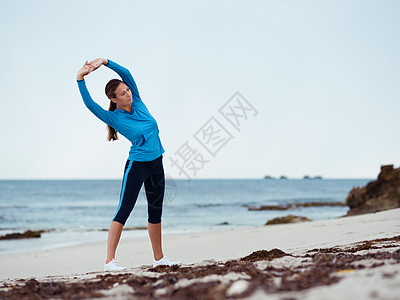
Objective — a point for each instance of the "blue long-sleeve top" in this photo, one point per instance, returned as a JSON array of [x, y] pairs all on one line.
[[138, 126]]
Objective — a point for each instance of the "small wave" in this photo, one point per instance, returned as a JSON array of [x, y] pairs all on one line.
[[82, 228], [295, 205], [210, 205], [13, 206]]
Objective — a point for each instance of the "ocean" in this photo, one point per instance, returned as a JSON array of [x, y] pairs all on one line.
[[77, 211]]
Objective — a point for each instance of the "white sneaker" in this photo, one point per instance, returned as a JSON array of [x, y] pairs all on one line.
[[113, 266], [165, 261]]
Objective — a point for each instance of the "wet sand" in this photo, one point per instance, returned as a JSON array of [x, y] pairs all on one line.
[[346, 258]]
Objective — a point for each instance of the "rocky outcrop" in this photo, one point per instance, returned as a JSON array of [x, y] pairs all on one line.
[[26, 235], [288, 219], [378, 195]]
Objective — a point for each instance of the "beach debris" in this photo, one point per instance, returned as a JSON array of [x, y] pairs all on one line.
[[135, 228], [378, 195], [360, 246], [28, 234], [345, 271], [235, 279], [288, 219], [294, 205], [264, 255]]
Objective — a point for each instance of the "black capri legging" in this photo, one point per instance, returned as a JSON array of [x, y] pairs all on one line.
[[137, 172]]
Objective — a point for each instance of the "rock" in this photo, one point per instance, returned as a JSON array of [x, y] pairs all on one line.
[[315, 177], [378, 195], [288, 219], [223, 223], [26, 235], [268, 177], [283, 177]]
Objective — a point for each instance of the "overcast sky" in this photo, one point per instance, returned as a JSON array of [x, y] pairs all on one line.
[[319, 79]]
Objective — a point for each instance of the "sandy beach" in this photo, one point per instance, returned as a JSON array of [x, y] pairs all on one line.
[[225, 247]]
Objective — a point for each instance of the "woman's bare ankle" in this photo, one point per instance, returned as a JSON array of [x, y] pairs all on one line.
[[108, 260]]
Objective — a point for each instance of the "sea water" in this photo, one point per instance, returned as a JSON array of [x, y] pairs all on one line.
[[76, 211]]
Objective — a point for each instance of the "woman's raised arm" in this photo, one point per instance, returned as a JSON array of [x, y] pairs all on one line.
[[123, 72], [104, 115], [125, 75]]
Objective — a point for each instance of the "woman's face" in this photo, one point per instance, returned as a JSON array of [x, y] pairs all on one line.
[[123, 95]]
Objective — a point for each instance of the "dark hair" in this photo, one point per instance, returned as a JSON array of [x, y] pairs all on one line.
[[111, 86]]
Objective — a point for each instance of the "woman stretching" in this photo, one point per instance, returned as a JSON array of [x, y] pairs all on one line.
[[129, 116]]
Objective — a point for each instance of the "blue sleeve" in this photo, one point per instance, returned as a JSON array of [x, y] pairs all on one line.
[[126, 77], [106, 116]]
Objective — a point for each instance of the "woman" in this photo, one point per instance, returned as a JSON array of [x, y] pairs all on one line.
[[129, 116]]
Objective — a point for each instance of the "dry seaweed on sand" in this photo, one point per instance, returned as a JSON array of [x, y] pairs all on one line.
[[264, 255], [235, 278]]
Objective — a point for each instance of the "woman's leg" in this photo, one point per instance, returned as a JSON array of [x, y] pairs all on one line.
[[131, 184], [155, 187], [155, 238], [114, 234]]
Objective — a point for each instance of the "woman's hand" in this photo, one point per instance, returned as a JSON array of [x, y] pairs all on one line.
[[96, 63], [85, 70]]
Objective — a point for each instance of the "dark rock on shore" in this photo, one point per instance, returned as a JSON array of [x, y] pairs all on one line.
[[295, 205], [223, 223], [288, 219], [26, 235], [378, 195]]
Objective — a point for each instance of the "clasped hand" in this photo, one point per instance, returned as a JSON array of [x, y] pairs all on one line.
[[89, 67]]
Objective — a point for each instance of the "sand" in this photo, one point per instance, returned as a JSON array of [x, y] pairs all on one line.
[[379, 281]]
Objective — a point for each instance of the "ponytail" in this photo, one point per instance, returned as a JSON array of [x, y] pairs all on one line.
[[110, 92], [112, 133]]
